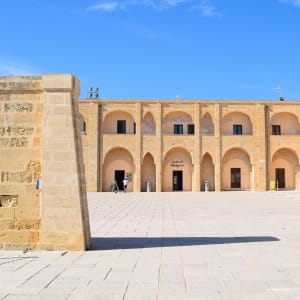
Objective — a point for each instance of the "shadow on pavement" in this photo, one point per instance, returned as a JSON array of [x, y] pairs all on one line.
[[115, 243]]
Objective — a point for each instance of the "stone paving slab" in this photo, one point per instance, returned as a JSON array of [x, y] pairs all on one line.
[[219, 246]]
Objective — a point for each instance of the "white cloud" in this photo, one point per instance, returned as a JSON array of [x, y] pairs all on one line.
[[206, 10], [105, 6], [8, 67], [112, 5], [292, 2]]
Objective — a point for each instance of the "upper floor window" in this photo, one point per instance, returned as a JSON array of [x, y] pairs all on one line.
[[121, 126], [237, 129], [83, 128], [191, 129], [276, 130], [236, 123], [178, 129]]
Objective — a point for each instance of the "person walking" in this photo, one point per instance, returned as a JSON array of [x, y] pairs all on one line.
[[125, 183]]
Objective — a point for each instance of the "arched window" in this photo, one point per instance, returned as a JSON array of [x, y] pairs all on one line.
[[207, 125], [149, 127], [236, 123]]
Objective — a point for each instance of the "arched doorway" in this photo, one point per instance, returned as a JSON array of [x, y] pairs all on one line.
[[148, 173], [118, 163], [207, 172], [177, 171], [236, 170], [284, 169]]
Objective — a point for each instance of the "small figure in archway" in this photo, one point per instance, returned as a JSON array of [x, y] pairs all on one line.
[[125, 183], [114, 187]]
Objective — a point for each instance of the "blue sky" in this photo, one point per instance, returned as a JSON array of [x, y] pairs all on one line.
[[158, 49]]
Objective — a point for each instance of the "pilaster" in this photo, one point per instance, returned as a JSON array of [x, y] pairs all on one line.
[[218, 155], [158, 162], [138, 154], [261, 159], [197, 183]]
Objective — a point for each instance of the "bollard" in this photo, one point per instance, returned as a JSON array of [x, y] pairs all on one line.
[[148, 186], [206, 186]]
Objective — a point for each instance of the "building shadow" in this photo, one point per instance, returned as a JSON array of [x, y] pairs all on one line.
[[117, 243]]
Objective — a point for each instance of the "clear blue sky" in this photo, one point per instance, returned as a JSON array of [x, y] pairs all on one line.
[[157, 49]]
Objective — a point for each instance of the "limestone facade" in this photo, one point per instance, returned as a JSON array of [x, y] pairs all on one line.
[[40, 140], [178, 145]]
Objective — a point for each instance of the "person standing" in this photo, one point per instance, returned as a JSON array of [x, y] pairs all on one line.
[[125, 183]]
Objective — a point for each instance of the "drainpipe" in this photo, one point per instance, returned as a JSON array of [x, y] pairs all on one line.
[[267, 140], [99, 138]]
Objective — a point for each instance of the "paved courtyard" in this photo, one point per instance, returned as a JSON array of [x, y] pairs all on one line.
[[230, 245]]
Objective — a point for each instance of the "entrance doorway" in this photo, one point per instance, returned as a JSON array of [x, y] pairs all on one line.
[[235, 178], [280, 178], [177, 180], [119, 176]]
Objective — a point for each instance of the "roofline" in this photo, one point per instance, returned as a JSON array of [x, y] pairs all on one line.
[[181, 101]]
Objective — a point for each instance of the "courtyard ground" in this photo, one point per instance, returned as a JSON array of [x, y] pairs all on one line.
[[230, 245]]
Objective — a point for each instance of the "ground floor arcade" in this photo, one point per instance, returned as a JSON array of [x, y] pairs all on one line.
[[178, 170]]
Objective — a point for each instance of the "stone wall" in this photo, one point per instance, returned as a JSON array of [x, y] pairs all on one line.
[[39, 140]]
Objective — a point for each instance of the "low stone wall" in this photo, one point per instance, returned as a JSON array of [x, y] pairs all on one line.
[[39, 140]]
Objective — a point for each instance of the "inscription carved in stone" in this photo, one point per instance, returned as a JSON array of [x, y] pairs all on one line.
[[13, 142], [34, 168], [30, 175], [10, 130], [29, 85], [18, 107]]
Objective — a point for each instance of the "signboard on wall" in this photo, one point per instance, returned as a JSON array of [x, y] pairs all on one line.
[[177, 163]]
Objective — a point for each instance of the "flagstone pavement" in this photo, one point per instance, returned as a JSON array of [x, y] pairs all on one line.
[[229, 245]]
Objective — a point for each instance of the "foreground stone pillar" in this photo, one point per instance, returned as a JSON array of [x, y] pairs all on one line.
[[40, 140], [64, 211]]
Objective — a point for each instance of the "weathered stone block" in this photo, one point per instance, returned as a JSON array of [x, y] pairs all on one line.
[[7, 213]]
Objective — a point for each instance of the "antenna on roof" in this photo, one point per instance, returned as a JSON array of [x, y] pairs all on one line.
[[279, 90], [93, 94]]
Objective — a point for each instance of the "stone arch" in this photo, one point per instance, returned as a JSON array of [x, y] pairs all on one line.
[[207, 125], [177, 160], [117, 159], [284, 169], [236, 171], [149, 127], [207, 171], [288, 122], [110, 122], [176, 117], [236, 118], [148, 173]]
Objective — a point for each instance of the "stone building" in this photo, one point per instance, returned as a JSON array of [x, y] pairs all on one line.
[[178, 145]]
